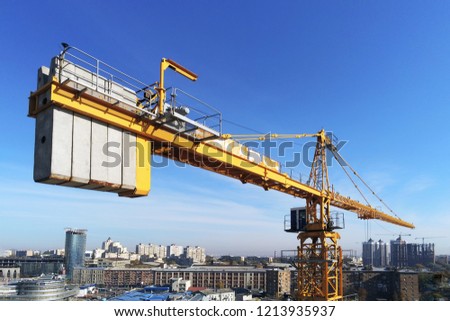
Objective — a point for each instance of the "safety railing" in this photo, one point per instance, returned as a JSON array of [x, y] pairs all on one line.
[[199, 111], [182, 112], [80, 66]]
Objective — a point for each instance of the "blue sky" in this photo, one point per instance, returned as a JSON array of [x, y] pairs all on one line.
[[376, 73]]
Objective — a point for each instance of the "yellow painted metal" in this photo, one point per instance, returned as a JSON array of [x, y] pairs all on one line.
[[143, 168], [319, 267], [319, 256], [265, 137], [257, 174], [66, 97], [167, 63], [336, 200]]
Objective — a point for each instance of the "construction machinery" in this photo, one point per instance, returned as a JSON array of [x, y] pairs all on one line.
[[426, 251], [97, 126], [399, 234], [428, 237]]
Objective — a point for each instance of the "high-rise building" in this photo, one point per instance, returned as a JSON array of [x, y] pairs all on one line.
[[74, 249], [24, 253], [152, 250], [110, 246], [106, 244], [197, 254], [398, 253], [402, 254], [368, 253], [143, 249], [381, 254], [175, 250], [375, 253]]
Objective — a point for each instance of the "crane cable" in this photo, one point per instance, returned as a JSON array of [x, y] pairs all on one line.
[[348, 175], [338, 156]]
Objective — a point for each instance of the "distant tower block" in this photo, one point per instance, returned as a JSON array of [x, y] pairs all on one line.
[[74, 249]]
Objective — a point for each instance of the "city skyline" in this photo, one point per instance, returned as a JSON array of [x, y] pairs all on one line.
[[374, 74], [357, 252]]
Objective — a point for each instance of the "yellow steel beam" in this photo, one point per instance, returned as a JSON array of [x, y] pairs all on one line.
[[66, 97], [365, 211], [269, 178]]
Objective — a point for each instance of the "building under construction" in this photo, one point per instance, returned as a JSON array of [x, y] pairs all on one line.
[[405, 254], [400, 254], [420, 254]]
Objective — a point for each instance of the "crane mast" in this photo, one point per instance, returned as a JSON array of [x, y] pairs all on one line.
[[165, 128], [319, 255]]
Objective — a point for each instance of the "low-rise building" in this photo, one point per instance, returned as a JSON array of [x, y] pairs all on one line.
[[88, 275], [46, 288], [243, 294], [442, 259], [216, 277], [217, 295], [108, 263], [179, 285], [278, 282], [135, 277], [24, 253], [382, 285], [9, 272], [35, 266], [6, 253]]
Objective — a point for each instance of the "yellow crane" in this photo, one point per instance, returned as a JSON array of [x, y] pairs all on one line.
[[319, 255], [92, 92]]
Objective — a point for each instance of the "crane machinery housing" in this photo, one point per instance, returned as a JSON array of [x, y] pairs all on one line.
[[96, 128]]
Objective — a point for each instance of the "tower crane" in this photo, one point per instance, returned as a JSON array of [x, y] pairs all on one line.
[[399, 235], [319, 256], [428, 237], [164, 127]]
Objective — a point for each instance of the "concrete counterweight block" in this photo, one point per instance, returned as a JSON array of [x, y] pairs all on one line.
[[99, 139], [128, 161], [53, 146], [81, 151], [77, 151]]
